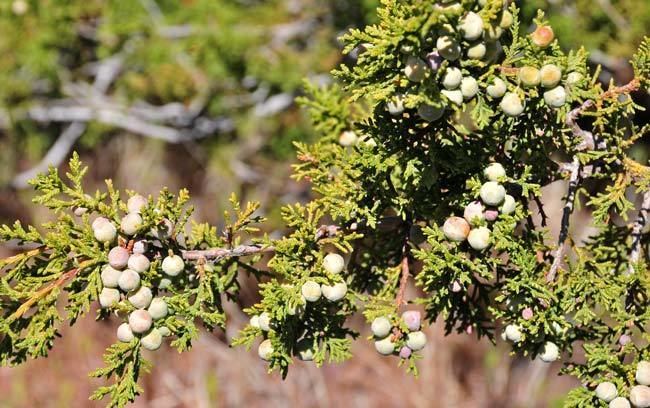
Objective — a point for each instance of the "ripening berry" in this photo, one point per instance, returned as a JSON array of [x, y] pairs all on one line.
[[412, 319], [138, 263], [163, 230], [136, 203], [172, 265], [141, 298], [129, 280], [527, 313], [108, 297], [529, 76], [456, 229], [471, 26], [380, 327], [573, 78], [311, 291], [140, 321], [434, 60], [124, 333], [448, 48], [110, 276], [468, 87], [158, 309], [642, 375], [104, 230], [479, 238], [265, 350], [453, 96], [513, 333], [551, 75], [254, 321], [452, 78], [152, 341], [430, 113], [416, 340], [396, 105], [333, 263], [640, 396], [164, 331], [474, 212], [348, 138], [511, 104], [140, 247], [131, 223], [556, 97], [606, 391], [456, 287], [415, 69], [305, 349], [497, 89], [477, 51], [506, 19], [619, 402], [509, 205], [335, 292], [494, 172], [385, 346], [550, 352], [118, 257], [405, 352], [264, 321], [542, 36], [492, 193]]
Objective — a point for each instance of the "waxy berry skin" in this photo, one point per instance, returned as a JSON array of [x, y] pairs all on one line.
[[138, 263], [136, 204], [511, 104], [173, 265], [104, 230], [141, 298], [385, 346], [311, 291], [333, 263], [158, 309], [129, 280], [479, 238], [335, 292], [109, 297], [492, 193], [606, 391], [642, 374], [550, 352], [124, 333], [118, 257], [494, 172], [131, 223], [140, 321], [456, 229], [415, 69], [416, 340], [380, 327], [497, 89], [265, 350]]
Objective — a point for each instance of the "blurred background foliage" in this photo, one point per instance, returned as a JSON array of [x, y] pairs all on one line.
[[200, 94]]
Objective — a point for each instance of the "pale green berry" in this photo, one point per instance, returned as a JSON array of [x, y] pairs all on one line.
[[140, 321], [385, 346], [456, 229], [492, 193], [380, 327], [104, 230], [497, 89], [606, 391], [136, 204], [642, 374], [172, 265], [333, 263], [396, 105], [131, 223], [348, 138], [494, 172], [476, 51], [509, 205], [129, 280], [152, 341], [468, 87], [573, 78], [254, 321], [506, 19], [513, 333], [529, 76], [640, 396], [158, 309], [265, 350], [550, 352], [542, 36], [448, 48], [138, 263], [416, 340], [511, 104], [556, 97], [335, 292], [452, 78], [141, 298], [164, 331], [479, 238], [124, 333], [311, 291], [471, 26], [110, 276], [305, 349], [619, 402], [108, 297], [550, 75], [264, 321], [164, 283], [415, 69], [493, 33], [474, 212], [455, 97], [430, 113]]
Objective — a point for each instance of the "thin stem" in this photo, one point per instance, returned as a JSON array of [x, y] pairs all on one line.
[[220, 253]]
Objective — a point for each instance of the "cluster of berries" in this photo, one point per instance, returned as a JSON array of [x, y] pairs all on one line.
[[387, 342], [549, 352], [121, 277], [494, 201], [639, 394]]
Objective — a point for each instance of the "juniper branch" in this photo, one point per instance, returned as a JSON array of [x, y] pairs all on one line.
[[637, 231]]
